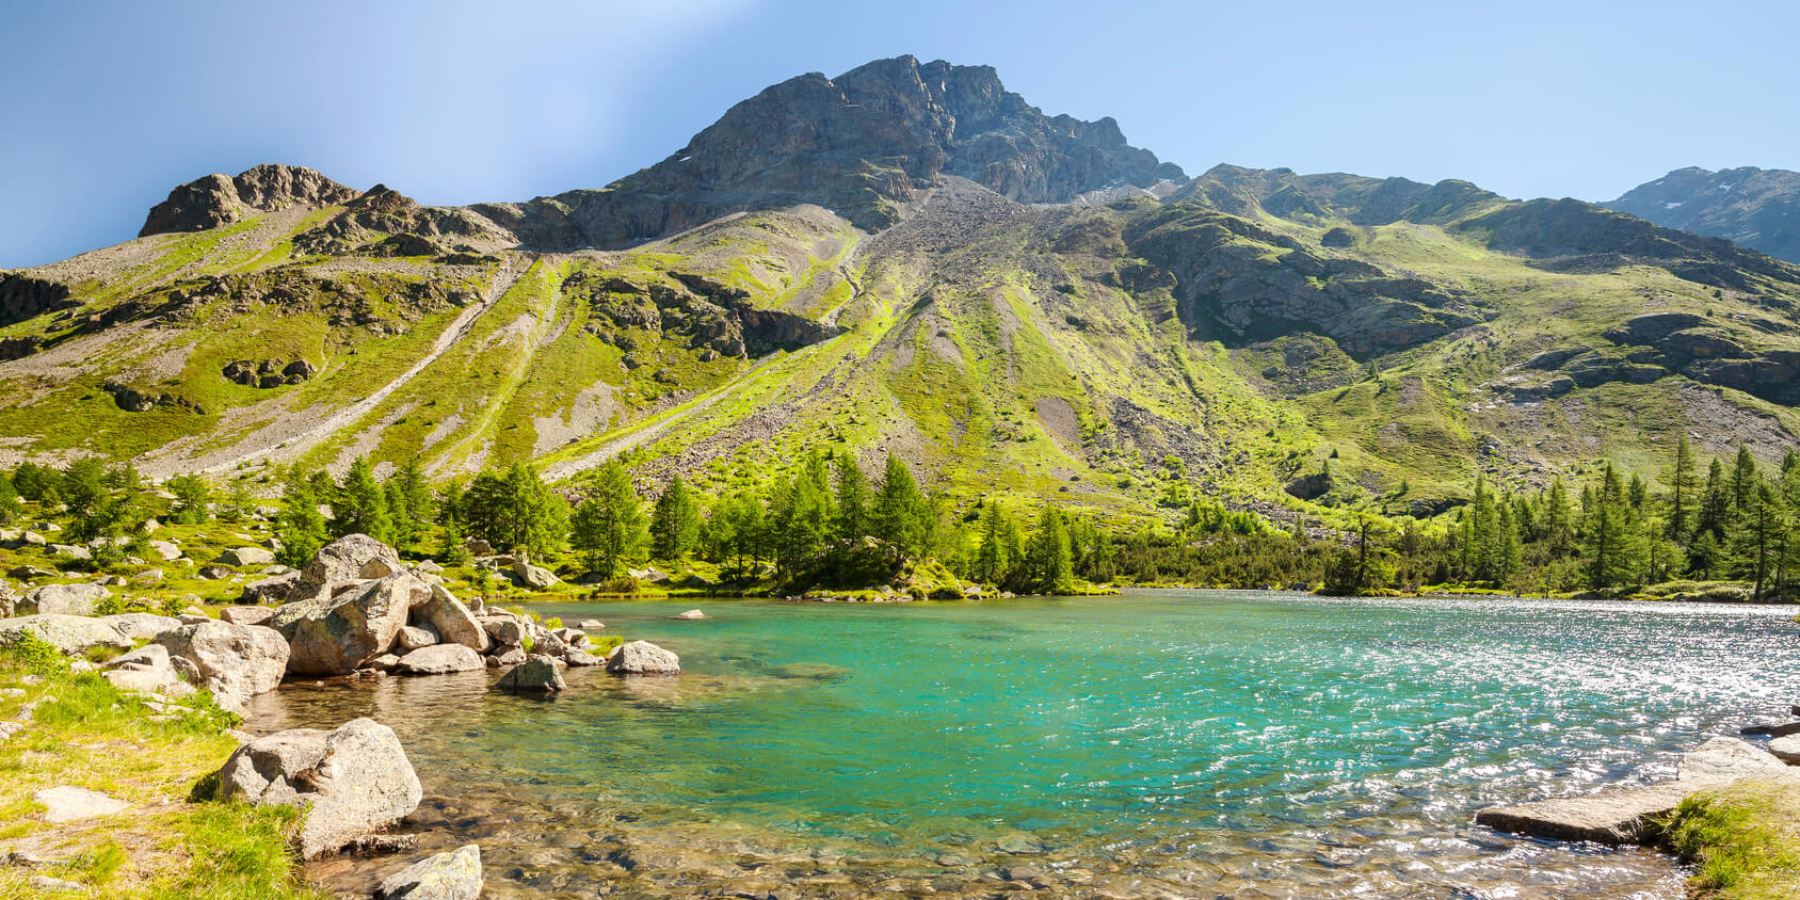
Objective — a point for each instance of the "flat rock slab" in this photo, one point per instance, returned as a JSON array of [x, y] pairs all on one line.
[[455, 875], [72, 804], [1787, 749], [1616, 816]]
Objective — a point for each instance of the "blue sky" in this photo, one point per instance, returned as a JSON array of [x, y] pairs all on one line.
[[108, 105]]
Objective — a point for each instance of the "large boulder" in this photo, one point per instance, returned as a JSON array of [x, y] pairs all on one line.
[[453, 875], [353, 557], [65, 599], [539, 674], [441, 659], [1723, 760], [413, 637], [536, 578], [68, 634], [247, 556], [1786, 749], [506, 632], [235, 662], [453, 621], [142, 626], [351, 781], [336, 634], [642, 658]]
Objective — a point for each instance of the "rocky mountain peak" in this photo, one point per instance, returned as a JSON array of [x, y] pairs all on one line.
[[220, 200], [1755, 207], [863, 144]]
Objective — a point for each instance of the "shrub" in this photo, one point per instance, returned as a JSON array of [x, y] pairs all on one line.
[[33, 654]]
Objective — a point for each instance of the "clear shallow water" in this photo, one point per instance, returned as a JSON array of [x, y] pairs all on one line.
[[1156, 744]]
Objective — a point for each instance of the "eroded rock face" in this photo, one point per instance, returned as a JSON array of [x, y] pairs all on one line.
[[352, 781], [235, 662], [216, 200]]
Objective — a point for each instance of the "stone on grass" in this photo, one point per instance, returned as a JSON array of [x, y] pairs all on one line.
[[65, 599], [453, 875], [642, 658], [68, 634], [539, 674], [536, 578], [440, 659], [246, 556], [235, 662], [351, 781], [164, 550], [73, 804]]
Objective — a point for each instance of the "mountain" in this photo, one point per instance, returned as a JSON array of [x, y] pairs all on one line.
[[909, 259], [1758, 208]]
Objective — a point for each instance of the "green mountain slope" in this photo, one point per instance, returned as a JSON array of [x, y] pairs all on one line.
[[1022, 304]]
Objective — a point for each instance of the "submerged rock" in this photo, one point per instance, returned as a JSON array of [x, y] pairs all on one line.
[[691, 614], [454, 875], [352, 781]]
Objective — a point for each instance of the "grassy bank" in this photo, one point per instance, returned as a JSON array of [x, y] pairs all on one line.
[[85, 733], [1744, 839]]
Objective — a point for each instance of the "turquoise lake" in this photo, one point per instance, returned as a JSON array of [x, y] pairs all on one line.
[[1160, 743]]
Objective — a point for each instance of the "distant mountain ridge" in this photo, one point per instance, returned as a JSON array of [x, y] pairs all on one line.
[[1758, 208]]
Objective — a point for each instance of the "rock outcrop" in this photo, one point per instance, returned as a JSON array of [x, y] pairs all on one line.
[[537, 675], [219, 200], [352, 781], [149, 669], [440, 659]]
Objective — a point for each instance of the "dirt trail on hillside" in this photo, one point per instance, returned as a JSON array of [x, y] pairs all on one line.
[[290, 434]]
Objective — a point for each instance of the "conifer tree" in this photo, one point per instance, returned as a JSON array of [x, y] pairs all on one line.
[[409, 501], [852, 500], [516, 510], [1715, 503], [999, 550], [608, 527], [300, 526], [10, 503], [1049, 563], [360, 505], [1756, 542], [1743, 478], [193, 499], [899, 511], [1681, 492], [675, 524]]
